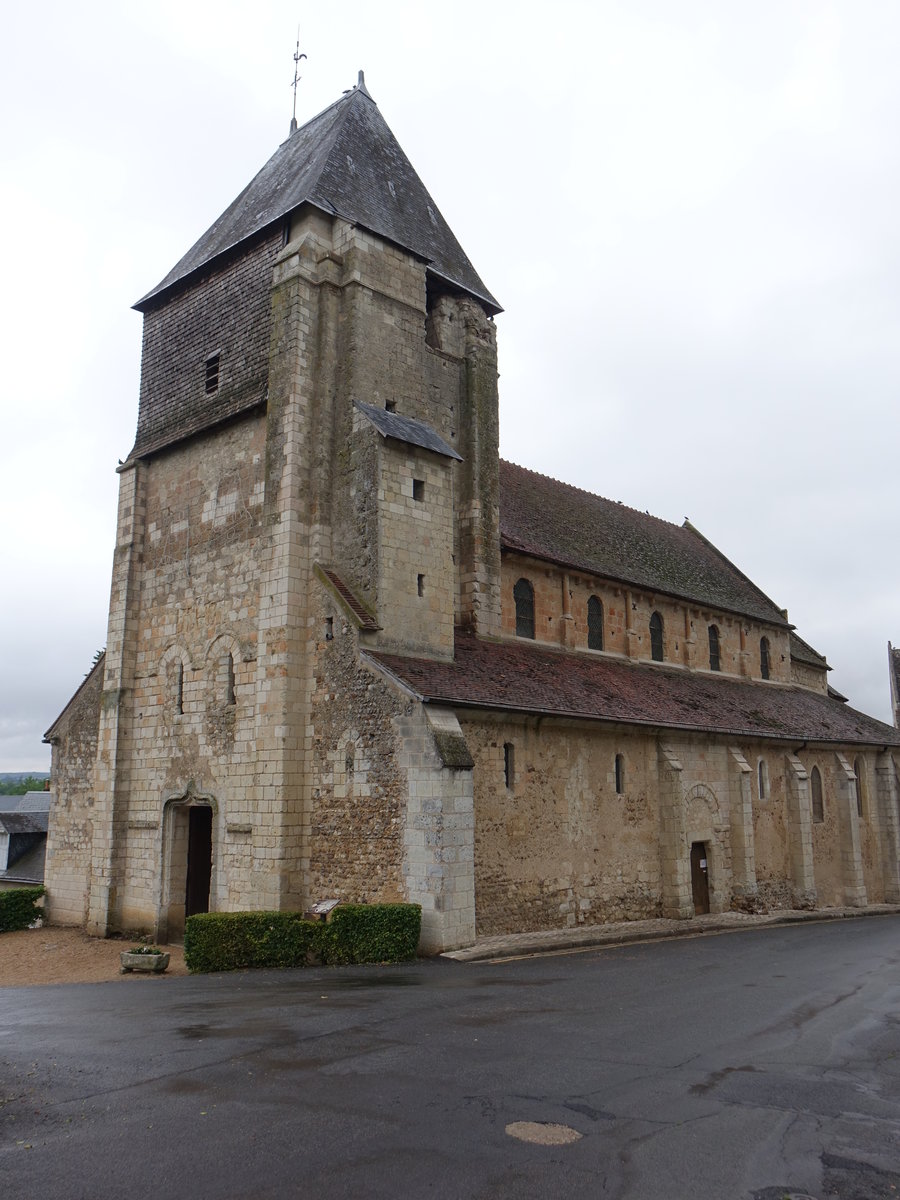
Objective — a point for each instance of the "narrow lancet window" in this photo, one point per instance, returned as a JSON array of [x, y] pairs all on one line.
[[509, 765], [764, 658], [229, 680], [523, 594], [818, 803], [179, 689], [656, 638], [595, 623], [714, 664], [620, 774]]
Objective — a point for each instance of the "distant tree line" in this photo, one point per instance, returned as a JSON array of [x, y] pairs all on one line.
[[18, 785]]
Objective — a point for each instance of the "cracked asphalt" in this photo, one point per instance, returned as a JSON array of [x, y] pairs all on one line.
[[757, 1065]]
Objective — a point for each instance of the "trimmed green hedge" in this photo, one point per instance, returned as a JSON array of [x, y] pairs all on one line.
[[355, 933], [18, 907], [227, 941], [366, 933]]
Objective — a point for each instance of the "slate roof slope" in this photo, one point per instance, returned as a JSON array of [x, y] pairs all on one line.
[[29, 868], [523, 677], [803, 652], [24, 822], [563, 524], [33, 802], [344, 161], [407, 429]]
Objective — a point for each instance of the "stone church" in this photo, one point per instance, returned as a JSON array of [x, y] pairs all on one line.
[[352, 654]]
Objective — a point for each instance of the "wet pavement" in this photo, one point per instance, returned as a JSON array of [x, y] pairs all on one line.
[[754, 1067]]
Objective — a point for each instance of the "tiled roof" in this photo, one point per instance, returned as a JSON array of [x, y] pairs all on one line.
[[563, 524], [803, 652], [523, 677], [344, 161], [407, 429]]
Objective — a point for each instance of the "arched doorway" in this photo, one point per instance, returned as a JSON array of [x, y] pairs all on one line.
[[188, 861]]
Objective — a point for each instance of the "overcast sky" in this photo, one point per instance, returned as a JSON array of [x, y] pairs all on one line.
[[688, 210]]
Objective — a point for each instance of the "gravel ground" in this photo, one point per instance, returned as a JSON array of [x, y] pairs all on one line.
[[59, 954]]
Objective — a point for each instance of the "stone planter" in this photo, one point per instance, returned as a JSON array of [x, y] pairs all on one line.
[[153, 964]]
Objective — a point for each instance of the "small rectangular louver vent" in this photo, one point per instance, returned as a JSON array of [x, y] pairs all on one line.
[[212, 373]]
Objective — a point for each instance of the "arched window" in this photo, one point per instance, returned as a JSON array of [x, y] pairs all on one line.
[[818, 803], [859, 770], [595, 623], [762, 771], [523, 594], [509, 765], [713, 632], [764, 658], [656, 638], [620, 774], [179, 688]]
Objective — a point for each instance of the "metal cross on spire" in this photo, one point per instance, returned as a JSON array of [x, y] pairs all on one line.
[[297, 57]]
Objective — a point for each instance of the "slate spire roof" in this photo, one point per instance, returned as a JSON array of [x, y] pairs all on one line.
[[345, 161]]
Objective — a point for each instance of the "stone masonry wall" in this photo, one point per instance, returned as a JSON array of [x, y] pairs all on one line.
[[557, 846], [415, 537], [561, 600], [390, 817], [68, 863], [199, 594], [357, 811]]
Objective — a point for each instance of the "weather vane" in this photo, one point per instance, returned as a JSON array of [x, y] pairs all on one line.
[[297, 57]]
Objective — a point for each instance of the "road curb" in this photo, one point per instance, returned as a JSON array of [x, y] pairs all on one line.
[[528, 945]]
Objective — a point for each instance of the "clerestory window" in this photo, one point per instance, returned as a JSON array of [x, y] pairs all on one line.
[[714, 664], [764, 658], [523, 594], [656, 638], [595, 623]]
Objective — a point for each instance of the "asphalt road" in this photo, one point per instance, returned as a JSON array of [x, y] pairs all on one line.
[[749, 1066]]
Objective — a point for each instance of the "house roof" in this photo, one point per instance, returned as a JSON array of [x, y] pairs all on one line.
[[347, 162], [407, 429], [24, 822], [32, 802], [546, 519], [523, 677], [29, 867]]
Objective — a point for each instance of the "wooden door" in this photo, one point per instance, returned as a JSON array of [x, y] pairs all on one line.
[[699, 877], [199, 860]]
